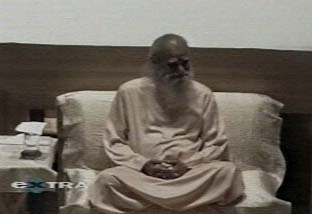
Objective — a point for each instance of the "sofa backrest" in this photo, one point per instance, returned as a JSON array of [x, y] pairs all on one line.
[[252, 124]]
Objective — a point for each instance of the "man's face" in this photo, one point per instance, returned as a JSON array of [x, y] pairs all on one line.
[[178, 68], [174, 66]]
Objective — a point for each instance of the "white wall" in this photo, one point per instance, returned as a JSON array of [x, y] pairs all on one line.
[[274, 24]]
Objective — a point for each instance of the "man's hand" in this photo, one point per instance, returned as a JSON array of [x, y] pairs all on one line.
[[168, 169], [156, 168], [178, 168]]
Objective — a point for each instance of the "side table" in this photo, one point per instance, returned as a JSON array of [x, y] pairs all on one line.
[[14, 169]]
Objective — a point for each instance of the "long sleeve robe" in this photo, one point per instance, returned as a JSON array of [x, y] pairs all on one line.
[[138, 130]]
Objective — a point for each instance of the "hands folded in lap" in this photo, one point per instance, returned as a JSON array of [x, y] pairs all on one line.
[[166, 169]]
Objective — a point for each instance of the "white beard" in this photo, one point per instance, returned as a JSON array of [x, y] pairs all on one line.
[[173, 94]]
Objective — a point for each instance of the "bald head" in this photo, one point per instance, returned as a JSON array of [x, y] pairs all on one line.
[[167, 45]]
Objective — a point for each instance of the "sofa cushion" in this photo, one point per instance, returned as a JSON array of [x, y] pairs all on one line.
[[84, 114], [253, 127]]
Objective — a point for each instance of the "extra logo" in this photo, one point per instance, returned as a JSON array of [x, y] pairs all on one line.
[[37, 185]]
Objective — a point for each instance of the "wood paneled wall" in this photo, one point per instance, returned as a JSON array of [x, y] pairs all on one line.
[[2, 110], [32, 75]]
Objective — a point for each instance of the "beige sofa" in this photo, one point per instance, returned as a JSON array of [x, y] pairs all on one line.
[[252, 124]]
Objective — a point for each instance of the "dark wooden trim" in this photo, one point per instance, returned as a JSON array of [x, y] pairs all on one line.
[[3, 119], [59, 159], [296, 146]]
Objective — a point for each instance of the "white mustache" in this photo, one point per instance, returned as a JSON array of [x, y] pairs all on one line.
[[177, 75], [178, 72]]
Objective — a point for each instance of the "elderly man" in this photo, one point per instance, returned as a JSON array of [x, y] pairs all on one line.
[[166, 140]]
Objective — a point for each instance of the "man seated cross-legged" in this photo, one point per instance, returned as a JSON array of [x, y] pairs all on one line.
[[167, 141]]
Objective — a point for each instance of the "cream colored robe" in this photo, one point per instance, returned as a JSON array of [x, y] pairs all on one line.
[[138, 130]]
